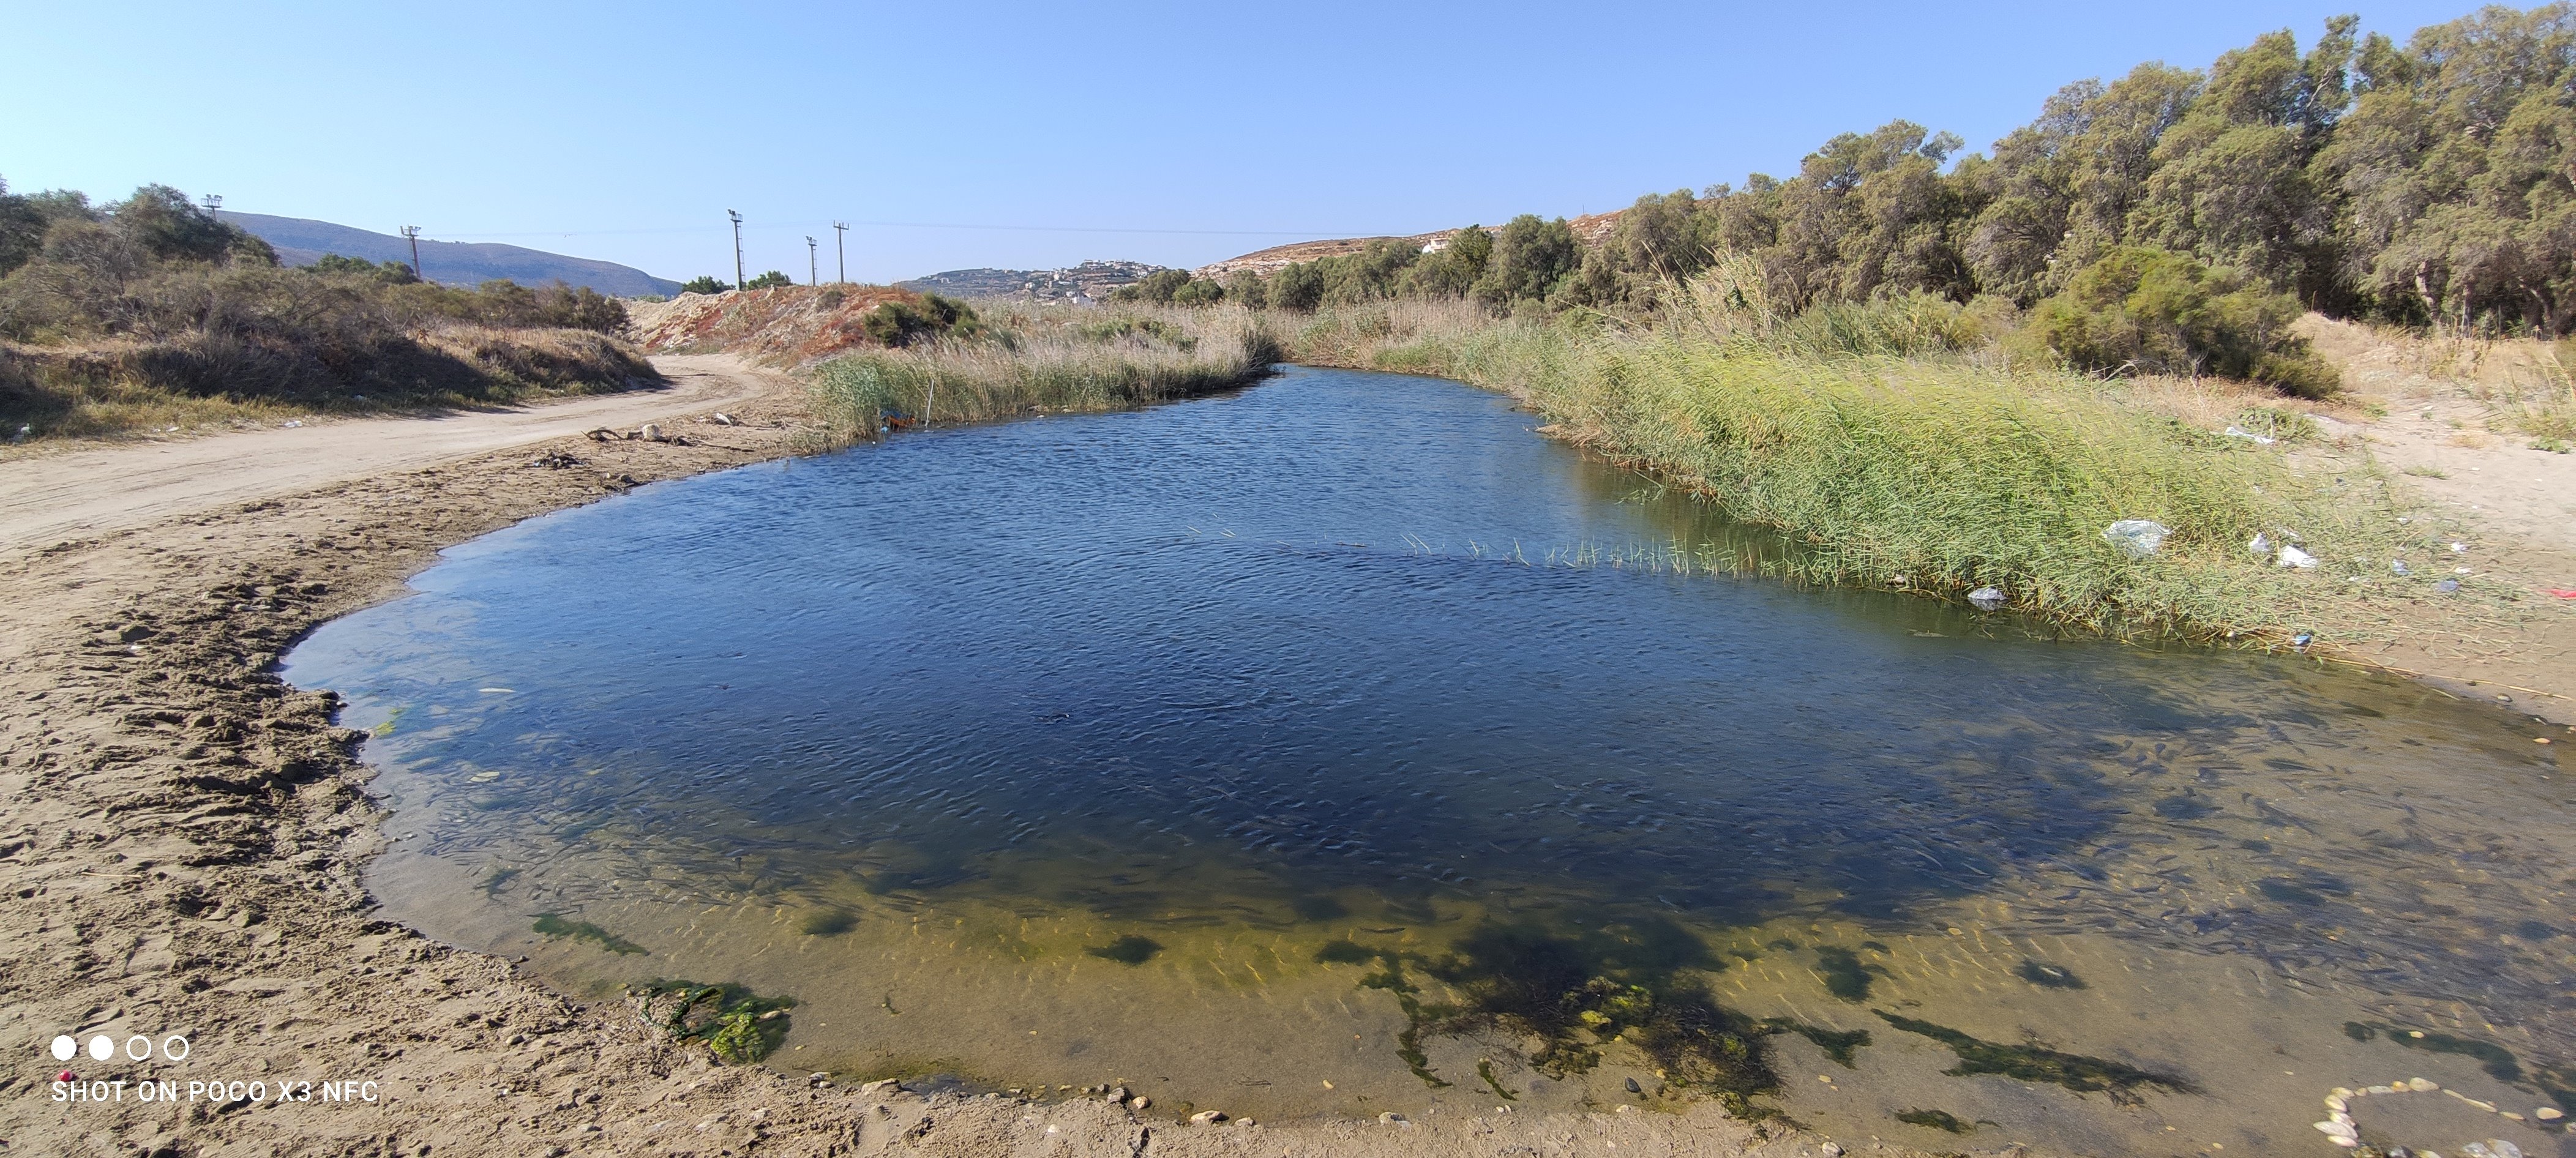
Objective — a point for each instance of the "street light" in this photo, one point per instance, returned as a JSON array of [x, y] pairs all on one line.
[[737, 247]]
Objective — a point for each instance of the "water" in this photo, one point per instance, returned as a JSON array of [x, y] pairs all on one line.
[[1059, 752]]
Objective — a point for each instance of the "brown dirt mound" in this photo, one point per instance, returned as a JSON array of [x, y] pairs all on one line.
[[790, 326]]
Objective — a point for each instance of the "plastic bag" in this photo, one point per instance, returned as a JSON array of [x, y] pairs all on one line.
[[1988, 598], [2294, 557], [2138, 538]]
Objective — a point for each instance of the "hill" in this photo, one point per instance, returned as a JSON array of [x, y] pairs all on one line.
[[1090, 281], [1589, 229], [300, 241]]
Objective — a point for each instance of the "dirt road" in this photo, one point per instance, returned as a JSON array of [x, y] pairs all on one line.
[[46, 498]]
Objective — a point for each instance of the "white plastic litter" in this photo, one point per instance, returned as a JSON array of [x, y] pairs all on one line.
[[1988, 598], [2138, 538], [2294, 557], [2260, 544], [2241, 432]]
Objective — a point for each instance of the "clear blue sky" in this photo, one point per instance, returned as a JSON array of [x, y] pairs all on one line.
[[1171, 133]]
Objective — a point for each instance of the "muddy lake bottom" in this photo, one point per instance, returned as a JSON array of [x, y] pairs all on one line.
[[1341, 747]]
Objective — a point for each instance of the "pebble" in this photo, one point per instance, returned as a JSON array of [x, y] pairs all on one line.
[[1207, 1117], [2549, 1113], [2334, 1129], [2337, 1103], [1139, 1102], [1634, 1088], [2421, 1086], [1831, 1150], [1391, 1118], [1119, 1094]]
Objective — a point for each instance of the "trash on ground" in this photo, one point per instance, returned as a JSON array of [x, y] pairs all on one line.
[[2562, 593], [1988, 598], [723, 419], [2139, 538], [2302, 639], [2398, 566], [2294, 557], [2241, 432], [2447, 586], [2260, 544]]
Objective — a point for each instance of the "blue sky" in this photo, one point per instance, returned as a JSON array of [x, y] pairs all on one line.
[[1171, 133]]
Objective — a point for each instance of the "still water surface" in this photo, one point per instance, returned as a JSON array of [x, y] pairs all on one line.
[[1128, 747]]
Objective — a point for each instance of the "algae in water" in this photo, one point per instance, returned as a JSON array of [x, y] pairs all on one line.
[[2032, 1063], [554, 925]]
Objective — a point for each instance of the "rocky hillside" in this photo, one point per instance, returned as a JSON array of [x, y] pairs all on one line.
[[1082, 284]]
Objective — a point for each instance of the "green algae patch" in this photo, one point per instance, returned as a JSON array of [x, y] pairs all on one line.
[[1941, 1120], [554, 925], [1846, 977], [1838, 1044], [1128, 950], [2498, 1061], [739, 1026], [1577, 992], [2030, 1063], [2045, 975], [827, 923], [1485, 1070]]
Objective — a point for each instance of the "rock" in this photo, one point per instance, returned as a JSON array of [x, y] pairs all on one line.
[[1118, 1093], [723, 419], [2447, 586], [1831, 1150], [2334, 1129], [1139, 1102], [1392, 1118], [2400, 568], [1988, 598], [2336, 1104], [2421, 1086], [2549, 1113], [884, 1086], [649, 432], [1634, 1088], [2260, 545], [1207, 1117]]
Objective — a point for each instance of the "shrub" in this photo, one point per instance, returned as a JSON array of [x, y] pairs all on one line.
[[1298, 288], [389, 272], [2155, 310], [771, 280], [897, 323], [705, 284]]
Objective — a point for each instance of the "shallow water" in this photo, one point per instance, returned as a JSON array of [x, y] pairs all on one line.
[[1358, 666]]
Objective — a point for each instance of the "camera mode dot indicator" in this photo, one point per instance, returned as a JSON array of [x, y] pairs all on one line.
[[101, 1049], [65, 1047]]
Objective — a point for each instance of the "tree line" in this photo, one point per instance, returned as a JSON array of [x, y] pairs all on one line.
[[2427, 184]]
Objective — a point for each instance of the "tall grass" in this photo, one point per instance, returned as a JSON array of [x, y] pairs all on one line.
[[1883, 440], [1041, 359]]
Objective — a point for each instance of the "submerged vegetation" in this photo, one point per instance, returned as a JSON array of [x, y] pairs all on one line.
[[1577, 993], [554, 925], [739, 1026], [2031, 1063], [152, 313]]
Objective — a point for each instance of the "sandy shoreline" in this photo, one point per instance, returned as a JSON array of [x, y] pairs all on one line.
[[184, 835]]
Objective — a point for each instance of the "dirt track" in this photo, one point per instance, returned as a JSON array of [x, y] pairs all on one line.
[[181, 836], [44, 497]]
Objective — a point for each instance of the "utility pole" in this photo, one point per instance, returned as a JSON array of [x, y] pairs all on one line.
[[841, 250], [737, 247], [813, 275], [213, 202], [413, 232]]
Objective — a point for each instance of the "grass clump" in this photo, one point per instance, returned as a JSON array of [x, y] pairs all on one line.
[[554, 925], [1035, 360], [2030, 1063]]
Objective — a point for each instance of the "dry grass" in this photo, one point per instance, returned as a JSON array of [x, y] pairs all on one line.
[[111, 388], [1039, 358]]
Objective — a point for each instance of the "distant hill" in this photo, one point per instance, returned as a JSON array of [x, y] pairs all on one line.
[[303, 242], [1090, 281]]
